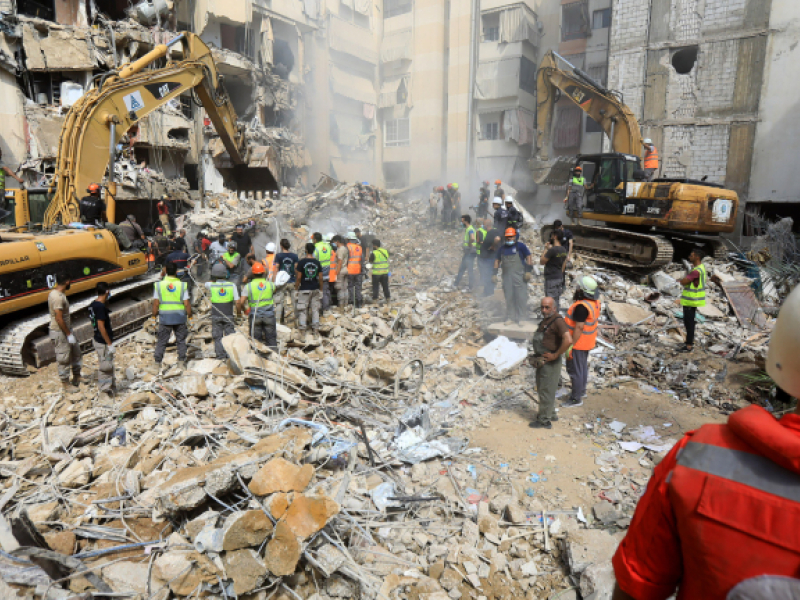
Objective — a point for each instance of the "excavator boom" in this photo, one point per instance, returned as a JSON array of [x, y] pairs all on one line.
[[96, 123]]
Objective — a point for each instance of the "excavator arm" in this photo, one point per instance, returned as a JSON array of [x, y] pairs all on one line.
[[96, 122], [600, 104]]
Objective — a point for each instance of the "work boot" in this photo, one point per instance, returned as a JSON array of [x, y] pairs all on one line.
[[76, 381]]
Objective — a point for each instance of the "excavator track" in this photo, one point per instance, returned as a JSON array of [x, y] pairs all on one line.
[[16, 339]]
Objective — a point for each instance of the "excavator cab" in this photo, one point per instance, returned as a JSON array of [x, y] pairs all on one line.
[[607, 177]]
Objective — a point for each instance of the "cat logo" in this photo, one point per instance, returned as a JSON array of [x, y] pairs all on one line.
[[133, 262]]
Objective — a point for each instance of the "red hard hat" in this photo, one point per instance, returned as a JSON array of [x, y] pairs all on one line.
[[440, 189], [485, 183], [159, 229], [258, 268], [93, 187], [449, 186], [497, 182], [511, 232]]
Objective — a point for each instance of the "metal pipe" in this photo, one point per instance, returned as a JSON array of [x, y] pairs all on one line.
[[158, 52], [611, 136], [473, 59], [111, 188]]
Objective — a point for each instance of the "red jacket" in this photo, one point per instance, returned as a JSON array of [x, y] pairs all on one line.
[[723, 506]]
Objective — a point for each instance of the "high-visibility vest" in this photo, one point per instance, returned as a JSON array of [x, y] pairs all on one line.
[[354, 262], [480, 236], [222, 298], [170, 295], [381, 264], [579, 181], [651, 158], [271, 266], [334, 267], [694, 294], [322, 252], [470, 230], [588, 338], [259, 293]]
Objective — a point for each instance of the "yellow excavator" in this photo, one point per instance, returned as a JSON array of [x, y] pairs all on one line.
[[43, 235], [644, 222]]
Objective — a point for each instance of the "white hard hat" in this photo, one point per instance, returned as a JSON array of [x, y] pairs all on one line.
[[648, 141], [329, 236], [281, 278], [510, 199], [783, 356], [351, 235], [497, 200], [270, 247]]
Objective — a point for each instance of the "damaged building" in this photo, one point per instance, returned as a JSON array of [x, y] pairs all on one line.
[[710, 82]]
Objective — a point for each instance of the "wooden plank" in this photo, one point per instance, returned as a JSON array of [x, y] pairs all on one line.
[[745, 304]]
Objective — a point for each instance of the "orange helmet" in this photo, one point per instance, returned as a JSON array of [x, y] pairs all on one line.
[[579, 168], [511, 232], [497, 182], [93, 188], [258, 268]]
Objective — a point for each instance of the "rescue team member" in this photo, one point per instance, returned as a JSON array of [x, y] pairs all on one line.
[[447, 205], [232, 260], [161, 246], [217, 248], [500, 214], [333, 273], [134, 232], [498, 191], [433, 205], [569, 238], [650, 159], [379, 258], [483, 201], [180, 241], [270, 265], [244, 244], [480, 235], [286, 261], [257, 296], [554, 259], [308, 285], [455, 203], [103, 340], [322, 252], [342, 260], [693, 296], [720, 515], [576, 195], [488, 251], [515, 218], [582, 318], [549, 343], [513, 256], [355, 277], [468, 253], [164, 213], [68, 351], [172, 307], [92, 208], [224, 299]]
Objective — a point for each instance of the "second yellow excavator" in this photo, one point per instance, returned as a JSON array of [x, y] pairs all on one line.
[[644, 221], [44, 236]]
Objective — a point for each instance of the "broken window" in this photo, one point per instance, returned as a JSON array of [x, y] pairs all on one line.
[[187, 106], [116, 10], [684, 59], [397, 132], [236, 39], [527, 75], [575, 20], [392, 8], [397, 174], [43, 9], [601, 19], [283, 58]]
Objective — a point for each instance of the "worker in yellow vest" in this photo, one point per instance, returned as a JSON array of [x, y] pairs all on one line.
[[342, 254], [469, 253], [379, 262], [322, 252], [355, 276], [257, 297], [582, 320], [693, 296], [224, 300], [173, 309], [650, 159]]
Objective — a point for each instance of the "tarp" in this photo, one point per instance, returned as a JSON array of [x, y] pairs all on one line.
[[518, 25], [353, 40], [518, 126], [397, 46], [352, 86], [497, 79]]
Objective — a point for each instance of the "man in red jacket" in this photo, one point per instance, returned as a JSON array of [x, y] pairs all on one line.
[[721, 515]]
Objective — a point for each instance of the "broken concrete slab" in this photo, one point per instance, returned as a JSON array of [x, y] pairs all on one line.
[[279, 475], [283, 551], [244, 529], [245, 568], [627, 314], [523, 331], [588, 546], [184, 571], [308, 514]]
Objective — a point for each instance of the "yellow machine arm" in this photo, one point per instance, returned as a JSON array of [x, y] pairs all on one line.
[[96, 122], [600, 104]]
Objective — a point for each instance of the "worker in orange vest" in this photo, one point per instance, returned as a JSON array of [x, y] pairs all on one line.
[[721, 514], [269, 262], [582, 319], [355, 275], [650, 159], [334, 270]]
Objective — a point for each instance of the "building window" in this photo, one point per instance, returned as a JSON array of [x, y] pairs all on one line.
[[491, 34], [601, 19], [43, 9], [392, 8], [598, 73], [397, 175], [491, 131], [527, 75], [397, 132], [575, 20]]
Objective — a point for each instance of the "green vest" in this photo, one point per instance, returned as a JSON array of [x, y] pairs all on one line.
[[695, 294], [2, 178], [170, 295], [222, 298], [259, 293], [381, 264], [470, 230], [579, 181], [322, 252], [480, 236], [230, 257]]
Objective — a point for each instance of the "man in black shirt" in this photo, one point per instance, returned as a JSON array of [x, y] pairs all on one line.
[[103, 340], [243, 244], [554, 259], [491, 242], [92, 207], [286, 261], [308, 286], [180, 241], [569, 238]]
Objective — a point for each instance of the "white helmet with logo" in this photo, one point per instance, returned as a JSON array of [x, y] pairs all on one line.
[[270, 247], [783, 356]]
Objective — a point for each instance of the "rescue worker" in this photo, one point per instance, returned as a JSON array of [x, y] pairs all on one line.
[[164, 213], [582, 319], [498, 191], [469, 252], [333, 273], [569, 238], [483, 201], [456, 201], [342, 260], [379, 259], [500, 214], [447, 205], [172, 308], [719, 516], [232, 259], [650, 159], [554, 259], [258, 298], [433, 204], [513, 256], [488, 250], [693, 296], [308, 287], [270, 264], [515, 218], [355, 275], [576, 195], [217, 248], [92, 208], [224, 300], [549, 343], [134, 232], [322, 252], [480, 235], [162, 248], [68, 351], [287, 262], [103, 341]]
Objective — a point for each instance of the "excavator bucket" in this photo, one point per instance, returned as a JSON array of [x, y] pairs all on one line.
[[552, 172]]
